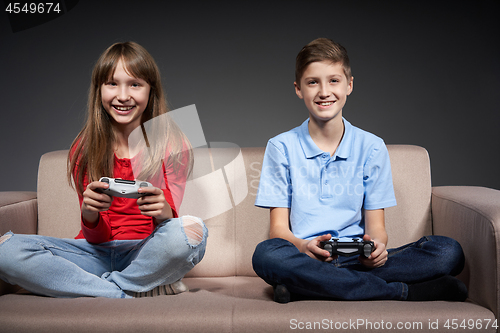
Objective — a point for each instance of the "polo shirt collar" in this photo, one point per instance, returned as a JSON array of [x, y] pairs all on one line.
[[344, 149], [311, 149]]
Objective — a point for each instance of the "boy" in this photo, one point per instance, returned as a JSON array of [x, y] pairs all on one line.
[[327, 178]]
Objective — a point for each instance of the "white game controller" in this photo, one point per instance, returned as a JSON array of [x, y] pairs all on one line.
[[124, 188]]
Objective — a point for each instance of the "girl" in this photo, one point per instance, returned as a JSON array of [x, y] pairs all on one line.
[[126, 247]]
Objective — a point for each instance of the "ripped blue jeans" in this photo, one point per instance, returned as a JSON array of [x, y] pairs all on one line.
[[75, 268]]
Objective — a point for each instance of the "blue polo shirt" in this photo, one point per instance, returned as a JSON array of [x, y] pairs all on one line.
[[326, 194]]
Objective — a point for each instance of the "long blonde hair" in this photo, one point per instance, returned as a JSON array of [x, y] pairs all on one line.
[[92, 151]]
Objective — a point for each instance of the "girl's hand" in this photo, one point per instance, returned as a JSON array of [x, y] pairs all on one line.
[[154, 204], [94, 202], [313, 249], [379, 256]]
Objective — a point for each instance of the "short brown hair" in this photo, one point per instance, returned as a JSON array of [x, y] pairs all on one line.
[[318, 50]]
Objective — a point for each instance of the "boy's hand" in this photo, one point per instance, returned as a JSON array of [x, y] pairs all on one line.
[[313, 249], [154, 204], [378, 257], [95, 202]]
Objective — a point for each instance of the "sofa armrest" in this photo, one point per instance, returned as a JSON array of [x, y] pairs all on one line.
[[471, 215], [18, 212]]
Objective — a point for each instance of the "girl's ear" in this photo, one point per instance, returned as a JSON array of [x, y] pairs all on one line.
[[297, 90]]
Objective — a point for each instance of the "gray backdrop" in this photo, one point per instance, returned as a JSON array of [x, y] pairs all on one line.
[[426, 73]]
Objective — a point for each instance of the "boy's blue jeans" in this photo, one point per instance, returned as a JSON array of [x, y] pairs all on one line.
[[278, 261], [73, 267]]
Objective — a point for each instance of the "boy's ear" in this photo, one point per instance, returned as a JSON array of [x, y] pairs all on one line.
[[350, 86], [297, 90]]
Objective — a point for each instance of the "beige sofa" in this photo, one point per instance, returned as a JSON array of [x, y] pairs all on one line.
[[225, 294]]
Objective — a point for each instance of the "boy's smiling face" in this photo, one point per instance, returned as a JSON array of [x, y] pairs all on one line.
[[324, 89]]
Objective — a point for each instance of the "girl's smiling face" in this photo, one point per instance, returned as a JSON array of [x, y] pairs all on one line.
[[125, 98]]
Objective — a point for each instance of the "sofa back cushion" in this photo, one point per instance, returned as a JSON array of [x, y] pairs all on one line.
[[58, 207], [222, 190], [411, 175]]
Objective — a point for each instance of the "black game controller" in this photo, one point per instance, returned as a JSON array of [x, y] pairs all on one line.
[[348, 249], [123, 188]]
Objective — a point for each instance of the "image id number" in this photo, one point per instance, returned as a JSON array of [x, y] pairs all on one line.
[[454, 324], [32, 8]]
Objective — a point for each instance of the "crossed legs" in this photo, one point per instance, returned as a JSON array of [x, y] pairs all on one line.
[[73, 268]]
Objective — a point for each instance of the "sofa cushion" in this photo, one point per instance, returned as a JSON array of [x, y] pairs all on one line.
[[411, 175], [230, 304], [58, 207]]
